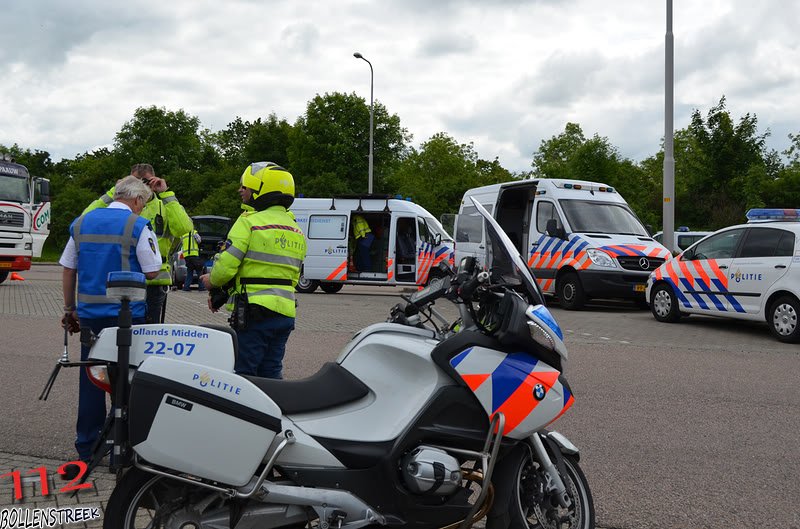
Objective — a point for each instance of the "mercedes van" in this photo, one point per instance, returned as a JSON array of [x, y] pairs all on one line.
[[582, 240]]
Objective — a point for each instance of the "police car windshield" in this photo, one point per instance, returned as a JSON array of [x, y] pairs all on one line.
[[14, 188], [588, 216]]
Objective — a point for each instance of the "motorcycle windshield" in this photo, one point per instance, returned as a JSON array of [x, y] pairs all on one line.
[[506, 265]]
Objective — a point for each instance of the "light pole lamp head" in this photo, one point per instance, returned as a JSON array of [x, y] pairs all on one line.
[[357, 55]]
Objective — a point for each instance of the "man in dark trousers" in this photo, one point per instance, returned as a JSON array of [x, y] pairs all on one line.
[[264, 253], [103, 240]]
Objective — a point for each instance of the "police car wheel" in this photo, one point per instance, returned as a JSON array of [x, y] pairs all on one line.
[[783, 319], [570, 292], [306, 286], [664, 304]]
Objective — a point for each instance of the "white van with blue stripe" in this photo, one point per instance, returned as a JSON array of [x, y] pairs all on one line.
[[582, 239]]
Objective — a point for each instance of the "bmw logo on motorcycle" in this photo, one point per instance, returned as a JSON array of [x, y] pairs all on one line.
[[539, 392]]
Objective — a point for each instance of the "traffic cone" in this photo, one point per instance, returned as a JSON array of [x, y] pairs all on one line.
[[16, 277]]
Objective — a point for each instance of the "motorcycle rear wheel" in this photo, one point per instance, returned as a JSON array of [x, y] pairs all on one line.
[[145, 500], [525, 506]]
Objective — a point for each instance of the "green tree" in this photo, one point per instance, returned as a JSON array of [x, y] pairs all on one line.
[[438, 173], [166, 139], [571, 155], [329, 145], [243, 142]]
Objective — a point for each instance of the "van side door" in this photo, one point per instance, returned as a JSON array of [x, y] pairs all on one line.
[[326, 259], [546, 246]]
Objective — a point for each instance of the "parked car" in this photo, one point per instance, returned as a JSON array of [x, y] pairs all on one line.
[[212, 229], [684, 237], [749, 272]]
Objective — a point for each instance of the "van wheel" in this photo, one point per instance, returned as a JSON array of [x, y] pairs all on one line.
[[664, 304], [331, 288], [570, 292], [783, 319], [306, 286]]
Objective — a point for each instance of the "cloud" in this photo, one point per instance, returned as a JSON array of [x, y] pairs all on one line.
[[447, 44]]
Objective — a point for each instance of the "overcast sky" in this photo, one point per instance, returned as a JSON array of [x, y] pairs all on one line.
[[503, 74]]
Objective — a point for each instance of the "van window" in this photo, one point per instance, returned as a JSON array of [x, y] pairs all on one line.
[[327, 227], [588, 216], [544, 212], [424, 233], [469, 225]]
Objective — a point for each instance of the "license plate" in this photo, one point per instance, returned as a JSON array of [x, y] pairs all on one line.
[[639, 288], [5, 265]]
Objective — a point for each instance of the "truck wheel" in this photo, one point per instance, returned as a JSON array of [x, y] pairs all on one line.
[[306, 286], [664, 304], [3, 276], [783, 319], [570, 292], [331, 288]]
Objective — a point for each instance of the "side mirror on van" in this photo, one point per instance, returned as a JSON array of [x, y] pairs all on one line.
[[437, 239], [553, 230]]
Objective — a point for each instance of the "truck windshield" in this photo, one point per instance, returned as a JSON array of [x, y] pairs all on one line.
[[585, 216], [14, 189]]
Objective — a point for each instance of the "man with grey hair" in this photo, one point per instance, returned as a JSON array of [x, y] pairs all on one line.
[[103, 240], [169, 221]]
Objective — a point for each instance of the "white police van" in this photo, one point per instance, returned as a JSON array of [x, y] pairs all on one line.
[[408, 247], [581, 239], [749, 271]]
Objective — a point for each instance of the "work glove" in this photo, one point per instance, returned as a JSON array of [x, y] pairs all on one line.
[[70, 322]]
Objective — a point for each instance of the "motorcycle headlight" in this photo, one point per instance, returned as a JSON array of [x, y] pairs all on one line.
[[540, 336], [601, 258]]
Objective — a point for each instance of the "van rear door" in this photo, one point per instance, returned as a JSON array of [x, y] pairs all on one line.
[[326, 236]]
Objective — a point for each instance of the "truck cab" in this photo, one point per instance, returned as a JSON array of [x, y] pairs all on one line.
[[581, 238], [24, 216], [406, 246]]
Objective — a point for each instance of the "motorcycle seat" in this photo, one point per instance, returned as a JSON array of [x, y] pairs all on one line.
[[329, 387]]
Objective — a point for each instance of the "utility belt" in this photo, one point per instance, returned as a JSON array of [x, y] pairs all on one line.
[[245, 312]]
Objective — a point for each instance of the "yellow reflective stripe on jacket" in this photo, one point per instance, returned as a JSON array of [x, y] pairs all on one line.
[[189, 245], [164, 276], [264, 245]]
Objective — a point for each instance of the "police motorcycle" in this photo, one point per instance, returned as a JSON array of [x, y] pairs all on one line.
[[415, 424]]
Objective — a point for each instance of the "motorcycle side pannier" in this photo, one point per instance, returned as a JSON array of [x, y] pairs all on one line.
[[199, 420]]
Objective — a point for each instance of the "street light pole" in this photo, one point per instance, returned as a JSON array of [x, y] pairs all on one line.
[[668, 237], [357, 55]]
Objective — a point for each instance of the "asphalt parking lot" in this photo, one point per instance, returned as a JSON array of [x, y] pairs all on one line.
[[685, 425]]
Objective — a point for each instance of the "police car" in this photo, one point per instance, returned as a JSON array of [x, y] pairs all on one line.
[[750, 272]]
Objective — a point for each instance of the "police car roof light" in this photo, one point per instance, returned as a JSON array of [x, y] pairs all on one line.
[[683, 228], [773, 214]]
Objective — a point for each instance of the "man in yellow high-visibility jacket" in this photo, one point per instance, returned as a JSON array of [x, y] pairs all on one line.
[[169, 222], [364, 239], [262, 260], [190, 248]]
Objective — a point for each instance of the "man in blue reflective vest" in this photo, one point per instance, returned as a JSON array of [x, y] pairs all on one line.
[[104, 240]]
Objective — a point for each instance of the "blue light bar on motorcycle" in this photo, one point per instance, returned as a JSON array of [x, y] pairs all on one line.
[[547, 318], [126, 285], [773, 214]]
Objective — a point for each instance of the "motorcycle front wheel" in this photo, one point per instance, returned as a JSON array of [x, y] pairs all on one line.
[[523, 503], [145, 500]]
